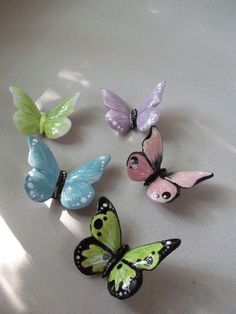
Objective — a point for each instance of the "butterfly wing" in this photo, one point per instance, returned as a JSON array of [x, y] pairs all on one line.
[[165, 190], [118, 116], [187, 179], [78, 192], [105, 225], [40, 182], [90, 257], [148, 113], [92, 254], [126, 277], [27, 118], [153, 147], [140, 165], [57, 124]]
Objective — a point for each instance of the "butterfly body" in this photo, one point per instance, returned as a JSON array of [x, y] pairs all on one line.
[[104, 253], [163, 187], [46, 180], [29, 120], [120, 118]]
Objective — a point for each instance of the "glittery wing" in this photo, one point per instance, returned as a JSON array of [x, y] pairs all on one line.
[[126, 277], [140, 165], [92, 254], [118, 116], [77, 191], [148, 113], [57, 123], [27, 118], [40, 182], [165, 190]]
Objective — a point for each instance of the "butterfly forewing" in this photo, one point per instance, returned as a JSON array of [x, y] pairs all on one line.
[[90, 257], [65, 108], [105, 225], [27, 118], [114, 102], [187, 179], [154, 97], [153, 147], [78, 192], [145, 257], [139, 167], [40, 182]]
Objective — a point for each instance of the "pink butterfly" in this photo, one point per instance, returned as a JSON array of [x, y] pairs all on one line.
[[120, 118], [145, 166]]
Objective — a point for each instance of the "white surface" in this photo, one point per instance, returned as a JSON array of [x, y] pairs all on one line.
[[52, 48]]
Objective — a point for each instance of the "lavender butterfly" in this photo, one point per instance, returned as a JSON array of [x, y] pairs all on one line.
[[145, 166], [120, 118]]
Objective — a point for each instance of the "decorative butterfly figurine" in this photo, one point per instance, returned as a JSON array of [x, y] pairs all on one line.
[[30, 121], [47, 181], [145, 166], [121, 119], [104, 253]]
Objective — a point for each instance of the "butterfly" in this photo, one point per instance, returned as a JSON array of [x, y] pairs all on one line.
[[104, 253], [145, 166], [121, 119], [47, 181], [30, 121]]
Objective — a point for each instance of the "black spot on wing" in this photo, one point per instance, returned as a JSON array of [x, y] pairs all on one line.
[[98, 223]]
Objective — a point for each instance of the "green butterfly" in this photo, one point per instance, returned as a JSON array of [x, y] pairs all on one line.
[[103, 252], [29, 120]]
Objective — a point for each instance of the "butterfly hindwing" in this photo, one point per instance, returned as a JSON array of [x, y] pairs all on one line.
[[27, 118], [90, 257], [118, 116], [147, 118], [105, 225], [124, 280], [77, 191], [163, 191], [40, 182], [118, 121]]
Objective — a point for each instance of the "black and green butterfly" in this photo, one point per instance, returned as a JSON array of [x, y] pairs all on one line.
[[103, 252]]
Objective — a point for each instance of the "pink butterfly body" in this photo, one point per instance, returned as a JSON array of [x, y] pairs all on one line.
[[146, 166], [120, 118]]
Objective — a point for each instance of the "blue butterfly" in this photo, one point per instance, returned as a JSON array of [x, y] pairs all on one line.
[[47, 181]]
